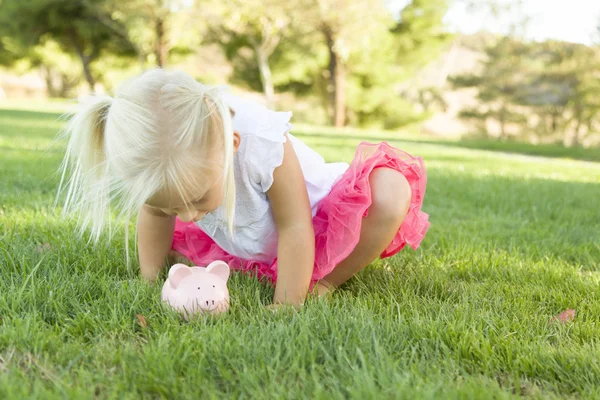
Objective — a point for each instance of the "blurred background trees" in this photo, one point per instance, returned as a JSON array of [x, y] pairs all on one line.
[[549, 89], [337, 62], [79, 28]]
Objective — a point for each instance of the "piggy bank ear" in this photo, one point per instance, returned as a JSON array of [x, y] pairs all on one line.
[[219, 268], [177, 273]]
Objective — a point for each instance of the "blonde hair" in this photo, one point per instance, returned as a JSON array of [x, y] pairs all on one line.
[[158, 132]]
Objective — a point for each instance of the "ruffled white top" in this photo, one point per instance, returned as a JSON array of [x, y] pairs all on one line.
[[263, 133]]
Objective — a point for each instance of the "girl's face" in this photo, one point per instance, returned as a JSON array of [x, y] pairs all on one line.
[[205, 197]]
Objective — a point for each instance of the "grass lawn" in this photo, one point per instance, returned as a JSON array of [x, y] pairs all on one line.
[[514, 240]]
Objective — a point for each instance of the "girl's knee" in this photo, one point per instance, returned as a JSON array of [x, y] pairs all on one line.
[[390, 194]]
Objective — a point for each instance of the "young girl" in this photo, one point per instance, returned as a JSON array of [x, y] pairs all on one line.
[[213, 176]]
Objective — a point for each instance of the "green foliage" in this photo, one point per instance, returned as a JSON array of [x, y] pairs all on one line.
[[565, 88], [419, 34], [392, 56], [376, 52], [556, 82], [273, 46], [238, 51], [298, 64], [80, 28], [249, 33], [162, 31], [498, 85], [372, 100], [58, 68], [10, 50]]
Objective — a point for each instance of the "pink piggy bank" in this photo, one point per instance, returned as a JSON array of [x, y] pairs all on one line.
[[193, 290]]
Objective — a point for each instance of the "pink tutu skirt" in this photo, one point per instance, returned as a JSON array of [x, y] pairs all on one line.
[[338, 220]]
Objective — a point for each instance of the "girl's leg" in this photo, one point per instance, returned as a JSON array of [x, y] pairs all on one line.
[[391, 195]]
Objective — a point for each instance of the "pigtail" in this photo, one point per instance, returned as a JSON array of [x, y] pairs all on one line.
[[87, 188], [228, 173]]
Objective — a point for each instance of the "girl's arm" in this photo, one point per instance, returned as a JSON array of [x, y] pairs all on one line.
[[292, 214], [155, 236]]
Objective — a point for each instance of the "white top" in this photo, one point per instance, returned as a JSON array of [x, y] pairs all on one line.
[[262, 134]]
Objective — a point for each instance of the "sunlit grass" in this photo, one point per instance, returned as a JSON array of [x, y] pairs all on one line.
[[514, 240]]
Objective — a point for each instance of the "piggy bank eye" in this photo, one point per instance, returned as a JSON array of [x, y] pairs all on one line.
[[198, 287], [214, 286]]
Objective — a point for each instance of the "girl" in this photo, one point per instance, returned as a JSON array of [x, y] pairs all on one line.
[[213, 176]]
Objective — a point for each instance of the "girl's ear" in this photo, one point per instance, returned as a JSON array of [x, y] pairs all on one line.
[[237, 139]]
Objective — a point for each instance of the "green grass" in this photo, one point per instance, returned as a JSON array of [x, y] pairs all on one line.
[[514, 240]]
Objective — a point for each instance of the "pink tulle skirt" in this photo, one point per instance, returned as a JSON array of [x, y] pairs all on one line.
[[338, 220]]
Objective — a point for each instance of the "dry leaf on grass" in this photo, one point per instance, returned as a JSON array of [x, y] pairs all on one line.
[[43, 247], [142, 320], [565, 316]]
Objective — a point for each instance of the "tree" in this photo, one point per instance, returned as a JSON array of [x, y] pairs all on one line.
[[158, 28], [565, 85], [79, 27], [419, 34], [257, 25], [10, 51], [372, 53], [549, 87], [344, 51], [499, 85], [58, 68], [347, 28]]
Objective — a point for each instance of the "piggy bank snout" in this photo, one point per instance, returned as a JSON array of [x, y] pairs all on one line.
[[206, 295]]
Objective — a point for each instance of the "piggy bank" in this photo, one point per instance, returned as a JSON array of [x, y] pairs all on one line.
[[193, 290]]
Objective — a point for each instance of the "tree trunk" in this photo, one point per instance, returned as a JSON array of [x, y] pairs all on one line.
[[161, 50], [340, 94], [85, 59], [88, 73], [337, 79], [265, 76], [575, 142], [554, 120], [48, 77], [578, 116], [502, 121]]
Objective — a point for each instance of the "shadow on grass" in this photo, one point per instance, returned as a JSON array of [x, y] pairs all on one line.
[[545, 150]]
